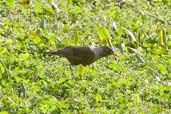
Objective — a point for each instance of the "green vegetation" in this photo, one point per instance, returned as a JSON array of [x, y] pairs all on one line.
[[137, 82]]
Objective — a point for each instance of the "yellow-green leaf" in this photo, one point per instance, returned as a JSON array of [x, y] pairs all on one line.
[[98, 97]]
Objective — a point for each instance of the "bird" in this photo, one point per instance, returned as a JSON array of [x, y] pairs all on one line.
[[84, 55]]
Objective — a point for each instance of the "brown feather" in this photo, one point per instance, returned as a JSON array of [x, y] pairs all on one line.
[[84, 55]]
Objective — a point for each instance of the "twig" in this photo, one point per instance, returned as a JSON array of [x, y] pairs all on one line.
[[23, 89]]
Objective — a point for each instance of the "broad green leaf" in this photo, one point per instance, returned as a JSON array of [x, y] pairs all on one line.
[[119, 31], [98, 98], [24, 56], [115, 84], [10, 3], [4, 112], [103, 33], [35, 37]]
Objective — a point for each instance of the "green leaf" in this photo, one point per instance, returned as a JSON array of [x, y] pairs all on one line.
[[11, 3], [4, 112], [24, 56], [76, 38], [136, 99], [2, 68], [3, 82], [98, 98], [103, 33], [115, 84]]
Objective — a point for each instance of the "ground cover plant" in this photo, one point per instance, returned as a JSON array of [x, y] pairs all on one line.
[[137, 81]]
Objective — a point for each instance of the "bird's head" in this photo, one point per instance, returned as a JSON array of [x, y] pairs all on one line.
[[107, 50]]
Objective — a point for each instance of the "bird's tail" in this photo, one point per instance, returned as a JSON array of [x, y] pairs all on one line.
[[56, 52], [49, 53]]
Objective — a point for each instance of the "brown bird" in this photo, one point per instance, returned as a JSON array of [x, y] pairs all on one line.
[[84, 55]]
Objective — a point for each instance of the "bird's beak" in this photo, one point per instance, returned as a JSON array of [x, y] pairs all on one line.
[[115, 55]]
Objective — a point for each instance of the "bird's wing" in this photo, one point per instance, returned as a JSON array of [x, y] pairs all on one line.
[[84, 53], [76, 60], [80, 55]]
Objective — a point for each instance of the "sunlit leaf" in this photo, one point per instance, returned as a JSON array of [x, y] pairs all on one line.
[[132, 37], [98, 98], [136, 99], [2, 68], [133, 50], [167, 83], [11, 3], [4, 112], [140, 59], [55, 7], [114, 25], [103, 33], [122, 47], [24, 56], [115, 84], [76, 38]]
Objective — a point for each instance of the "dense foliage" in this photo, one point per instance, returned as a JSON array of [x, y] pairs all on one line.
[[138, 81]]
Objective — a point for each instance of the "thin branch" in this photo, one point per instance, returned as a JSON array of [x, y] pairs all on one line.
[[23, 87]]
